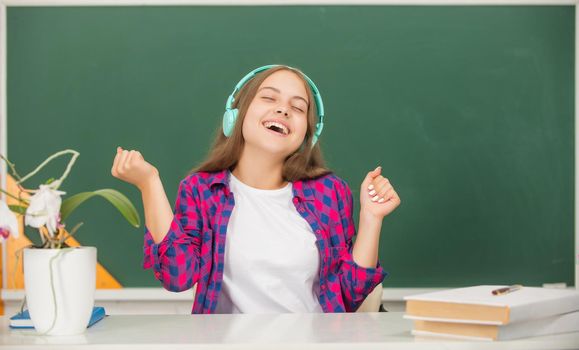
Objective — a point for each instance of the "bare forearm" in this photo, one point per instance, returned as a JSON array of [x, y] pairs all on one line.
[[365, 251], [158, 212]]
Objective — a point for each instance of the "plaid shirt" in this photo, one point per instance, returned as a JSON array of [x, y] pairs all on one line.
[[193, 249]]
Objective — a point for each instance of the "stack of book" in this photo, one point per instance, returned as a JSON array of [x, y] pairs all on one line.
[[475, 313]]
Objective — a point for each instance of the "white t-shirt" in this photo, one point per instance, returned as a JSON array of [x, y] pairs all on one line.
[[271, 259]]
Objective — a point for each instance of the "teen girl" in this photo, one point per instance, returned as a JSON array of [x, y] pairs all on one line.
[[262, 226]]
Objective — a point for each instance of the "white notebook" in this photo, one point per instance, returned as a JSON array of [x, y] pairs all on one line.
[[525, 304]]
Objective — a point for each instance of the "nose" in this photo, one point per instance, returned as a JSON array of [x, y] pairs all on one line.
[[280, 110]]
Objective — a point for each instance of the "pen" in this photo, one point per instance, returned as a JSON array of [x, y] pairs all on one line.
[[507, 290]]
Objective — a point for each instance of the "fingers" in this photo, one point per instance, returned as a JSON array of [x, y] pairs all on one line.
[[134, 158], [130, 157], [388, 195], [379, 189], [382, 185], [378, 184], [122, 162]]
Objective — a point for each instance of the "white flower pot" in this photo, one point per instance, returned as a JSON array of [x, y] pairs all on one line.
[[74, 281]]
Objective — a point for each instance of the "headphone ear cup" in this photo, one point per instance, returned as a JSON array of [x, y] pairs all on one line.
[[317, 133], [229, 118]]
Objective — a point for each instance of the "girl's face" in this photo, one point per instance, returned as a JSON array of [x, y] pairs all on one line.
[[276, 120]]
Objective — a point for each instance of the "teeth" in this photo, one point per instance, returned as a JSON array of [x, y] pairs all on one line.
[[279, 125]]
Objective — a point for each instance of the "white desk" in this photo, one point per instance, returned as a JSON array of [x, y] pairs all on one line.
[[387, 330]]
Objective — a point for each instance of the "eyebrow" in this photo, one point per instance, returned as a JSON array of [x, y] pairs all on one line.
[[278, 91]]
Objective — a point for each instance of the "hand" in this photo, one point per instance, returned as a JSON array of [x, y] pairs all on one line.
[[131, 167], [377, 196]]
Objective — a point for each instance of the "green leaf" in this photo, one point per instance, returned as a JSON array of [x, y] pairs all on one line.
[[49, 181], [18, 209], [122, 203]]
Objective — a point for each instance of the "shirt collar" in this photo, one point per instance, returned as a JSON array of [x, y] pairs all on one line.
[[300, 188]]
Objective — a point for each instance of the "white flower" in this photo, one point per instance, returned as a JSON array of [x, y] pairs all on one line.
[[44, 208], [8, 222]]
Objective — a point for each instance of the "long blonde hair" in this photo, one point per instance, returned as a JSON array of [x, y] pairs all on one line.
[[306, 163]]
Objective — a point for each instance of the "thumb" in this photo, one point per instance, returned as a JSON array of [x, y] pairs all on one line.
[[375, 172], [371, 175]]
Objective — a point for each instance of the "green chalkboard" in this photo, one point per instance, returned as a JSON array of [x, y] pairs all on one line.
[[469, 109]]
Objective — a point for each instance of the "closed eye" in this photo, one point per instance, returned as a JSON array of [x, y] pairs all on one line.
[[272, 99]]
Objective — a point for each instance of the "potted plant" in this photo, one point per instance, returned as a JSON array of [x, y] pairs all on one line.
[[59, 280]]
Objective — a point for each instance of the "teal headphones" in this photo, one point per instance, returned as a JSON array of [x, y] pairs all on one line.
[[230, 115]]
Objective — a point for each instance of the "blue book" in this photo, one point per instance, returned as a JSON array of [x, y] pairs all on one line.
[[22, 319]]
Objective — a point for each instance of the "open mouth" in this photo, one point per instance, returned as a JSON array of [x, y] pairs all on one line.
[[276, 127]]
